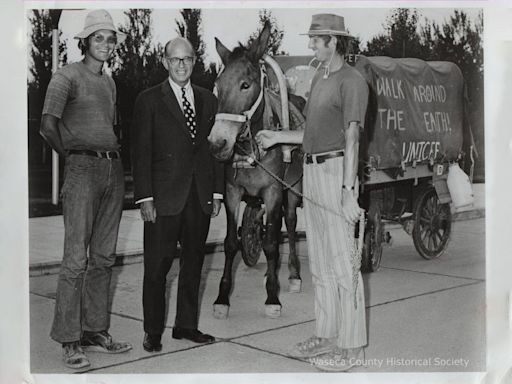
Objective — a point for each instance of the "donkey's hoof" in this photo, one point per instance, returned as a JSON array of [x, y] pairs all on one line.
[[294, 285], [273, 311], [220, 311]]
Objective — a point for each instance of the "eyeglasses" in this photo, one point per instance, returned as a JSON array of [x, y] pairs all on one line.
[[176, 60], [98, 39]]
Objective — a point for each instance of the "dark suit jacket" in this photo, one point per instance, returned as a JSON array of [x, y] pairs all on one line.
[[164, 160]]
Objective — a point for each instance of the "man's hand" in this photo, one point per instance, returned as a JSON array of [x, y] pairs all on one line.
[[350, 207], [266, 138], [216, 207], [148, 211]]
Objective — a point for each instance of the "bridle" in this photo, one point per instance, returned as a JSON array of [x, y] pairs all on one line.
[[245, 117]]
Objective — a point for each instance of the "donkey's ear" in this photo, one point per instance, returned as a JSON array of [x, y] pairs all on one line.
[[259, 46], [222, 51]]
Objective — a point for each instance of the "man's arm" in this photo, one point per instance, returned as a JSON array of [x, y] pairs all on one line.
[[267, 138], [351, 159], [350, 206], [49, 130], [141, 154]]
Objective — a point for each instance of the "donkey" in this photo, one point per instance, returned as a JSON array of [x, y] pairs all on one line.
[[240, 115]]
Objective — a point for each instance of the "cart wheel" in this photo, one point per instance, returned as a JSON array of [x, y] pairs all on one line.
[[432, 225], [251, 235], [372, 249]]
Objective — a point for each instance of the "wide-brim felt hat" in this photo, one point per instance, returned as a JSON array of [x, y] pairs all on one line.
[[97, 20], [327, 24]]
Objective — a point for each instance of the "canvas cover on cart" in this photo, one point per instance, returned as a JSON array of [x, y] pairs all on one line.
[[415, 111]]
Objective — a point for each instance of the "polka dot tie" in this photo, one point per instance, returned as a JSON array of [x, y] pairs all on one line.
[[190, 117]]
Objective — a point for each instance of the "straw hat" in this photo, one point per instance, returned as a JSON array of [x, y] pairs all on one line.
[[327, 24], [99, 19]]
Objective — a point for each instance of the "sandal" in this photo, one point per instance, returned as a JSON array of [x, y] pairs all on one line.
[[340, 360], [73, 356], [311, 347], [103, 342]]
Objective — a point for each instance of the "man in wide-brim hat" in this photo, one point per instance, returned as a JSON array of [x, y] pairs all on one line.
[[78, 122], [335, 113]]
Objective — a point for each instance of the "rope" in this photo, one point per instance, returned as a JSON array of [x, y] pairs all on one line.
[[357, 247]]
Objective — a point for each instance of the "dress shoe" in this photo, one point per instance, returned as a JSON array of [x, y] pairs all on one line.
[[194, 335], [152, 343]]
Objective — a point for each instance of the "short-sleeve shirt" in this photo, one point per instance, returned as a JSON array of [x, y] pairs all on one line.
[[84, 102], [333, 103]]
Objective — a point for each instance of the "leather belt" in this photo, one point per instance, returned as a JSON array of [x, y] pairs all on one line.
[[319, 159], [100, 154]]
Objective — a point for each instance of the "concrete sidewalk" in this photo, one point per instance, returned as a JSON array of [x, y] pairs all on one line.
[[46, 235], [422, 316]]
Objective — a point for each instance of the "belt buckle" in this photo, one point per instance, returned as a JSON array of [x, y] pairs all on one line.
[[108, 156]]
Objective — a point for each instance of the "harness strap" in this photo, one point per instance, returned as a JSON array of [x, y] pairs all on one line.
[[256, 104], [231, 117]]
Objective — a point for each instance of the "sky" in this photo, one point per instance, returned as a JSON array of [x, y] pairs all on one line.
[[234, 25]]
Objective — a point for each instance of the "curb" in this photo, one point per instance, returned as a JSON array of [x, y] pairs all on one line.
[[127, 258]]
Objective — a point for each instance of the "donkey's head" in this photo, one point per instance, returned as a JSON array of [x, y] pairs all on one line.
[[238, 88]]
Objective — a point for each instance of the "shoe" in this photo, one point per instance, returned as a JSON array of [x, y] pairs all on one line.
[[194, 335], [314, 346], [339, 360], [102, 342], [152, 343], [73, 355]]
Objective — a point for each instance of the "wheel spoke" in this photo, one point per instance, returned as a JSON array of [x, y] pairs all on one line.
[[440, 235], [424, 220], [428, 208], [434, 239], [424, 233]]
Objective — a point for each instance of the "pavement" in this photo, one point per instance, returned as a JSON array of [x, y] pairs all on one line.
[[422, 315], [46, 235]]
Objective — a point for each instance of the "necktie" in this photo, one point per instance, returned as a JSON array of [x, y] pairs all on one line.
[[190, 117]]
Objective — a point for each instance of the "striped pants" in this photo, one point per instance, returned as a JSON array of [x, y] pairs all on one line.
[[330, 239]]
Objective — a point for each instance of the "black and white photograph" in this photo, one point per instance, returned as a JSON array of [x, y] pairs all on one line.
[[261, 191]]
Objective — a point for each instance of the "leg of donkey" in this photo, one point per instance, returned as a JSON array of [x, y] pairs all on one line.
[[272, 198], [290, 217], [232, 201]]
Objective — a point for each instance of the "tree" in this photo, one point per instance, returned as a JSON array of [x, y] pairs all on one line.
[[136, 66], [401, 38], [190, 28], [42, 24], [459, 41], [276, 33]]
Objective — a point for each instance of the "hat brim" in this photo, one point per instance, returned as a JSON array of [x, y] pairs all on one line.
[[90, 30], [325, 32]]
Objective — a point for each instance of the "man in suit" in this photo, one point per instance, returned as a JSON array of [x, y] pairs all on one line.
[[175, 181]]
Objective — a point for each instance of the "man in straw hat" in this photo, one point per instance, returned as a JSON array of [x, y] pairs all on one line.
[[335, 112], [78, 119]]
